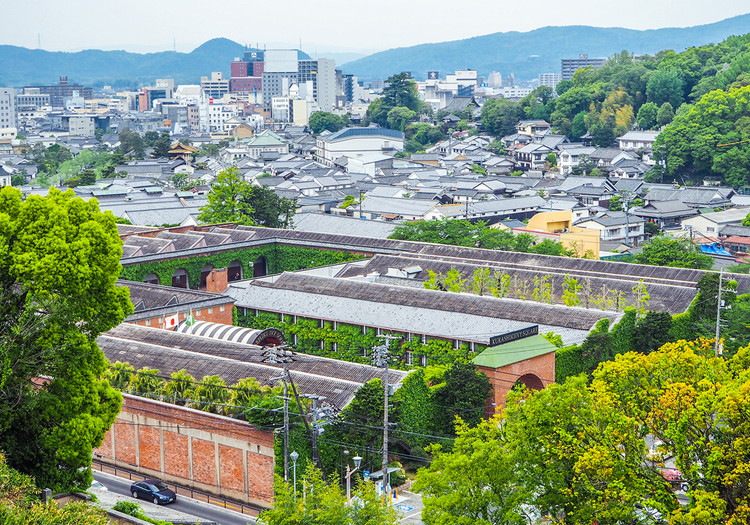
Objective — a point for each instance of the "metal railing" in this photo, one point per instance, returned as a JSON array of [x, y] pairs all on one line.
[[190, 492]]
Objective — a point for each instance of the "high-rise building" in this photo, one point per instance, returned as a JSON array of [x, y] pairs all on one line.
[[570, 65], [7, 108], [63, 89], [550, 80]]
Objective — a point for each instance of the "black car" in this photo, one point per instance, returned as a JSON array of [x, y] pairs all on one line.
[[153, 490]]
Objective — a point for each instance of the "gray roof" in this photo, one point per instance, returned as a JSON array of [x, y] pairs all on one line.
[[464, 317], [152, 300], [170, 351], [335, 224], [347, 133]]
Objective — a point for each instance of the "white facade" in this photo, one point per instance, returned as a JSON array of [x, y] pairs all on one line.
[[350, 143], [82, 126], [7, 108], [213, 116], [326, 84], [280, 61]]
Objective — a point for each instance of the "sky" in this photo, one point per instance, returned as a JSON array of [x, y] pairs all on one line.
[[322, 25]]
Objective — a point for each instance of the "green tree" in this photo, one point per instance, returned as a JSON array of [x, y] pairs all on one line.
[[210, 394], [399, 117], [323, 121], [665, 85], [131, 144], [646, 117], [665, 114], [233, 199], [162, 145], [59, 264], [500, 116], [464, 394], [746, 220], [400, 91], [663, 250], [578, 126], [325, 503], [179, 388], [229, 199]]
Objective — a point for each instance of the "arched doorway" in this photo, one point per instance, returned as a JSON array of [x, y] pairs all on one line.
[[234, 271], [151, 278], [204, 275], [530, 381], [180, 278], [260, 267]]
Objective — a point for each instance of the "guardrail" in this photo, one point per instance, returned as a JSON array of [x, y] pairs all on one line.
[[190, 492]]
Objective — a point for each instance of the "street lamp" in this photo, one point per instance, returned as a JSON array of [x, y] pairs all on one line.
[[349, 472], [294, 456]]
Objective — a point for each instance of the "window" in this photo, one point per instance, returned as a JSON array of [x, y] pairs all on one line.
[[210, 310], [221, 308]]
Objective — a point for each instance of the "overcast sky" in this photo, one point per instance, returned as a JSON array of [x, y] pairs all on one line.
[[323, 25]]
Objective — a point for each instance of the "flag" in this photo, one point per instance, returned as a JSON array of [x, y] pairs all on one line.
[[171, 321], [190, 320]]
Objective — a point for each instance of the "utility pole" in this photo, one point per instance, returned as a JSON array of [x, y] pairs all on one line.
[[719, 306], [382, 357], [275, 355]]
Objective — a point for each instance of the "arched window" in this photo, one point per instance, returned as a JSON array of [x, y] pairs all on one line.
[[234, 271], [151, 278], [180, 278], [260, 267], [530, 381]]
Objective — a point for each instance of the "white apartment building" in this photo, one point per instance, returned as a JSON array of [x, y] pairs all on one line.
[[214, 114], [7, 108]]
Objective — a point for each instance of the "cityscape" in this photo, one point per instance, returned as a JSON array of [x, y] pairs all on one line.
[[494, 279]]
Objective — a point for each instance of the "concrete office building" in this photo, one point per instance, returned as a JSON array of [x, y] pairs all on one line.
[[7, 108], [570, 65]]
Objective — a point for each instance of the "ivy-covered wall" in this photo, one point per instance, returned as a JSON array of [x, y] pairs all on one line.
[[279, 258], [347, 342]]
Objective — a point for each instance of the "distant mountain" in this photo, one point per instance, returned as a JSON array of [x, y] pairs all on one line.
[[539, 51], [20, 66]]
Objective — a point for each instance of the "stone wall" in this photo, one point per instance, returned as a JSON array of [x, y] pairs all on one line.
[[211, 453]]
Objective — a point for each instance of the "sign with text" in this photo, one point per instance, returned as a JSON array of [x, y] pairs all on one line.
[[514, 336]]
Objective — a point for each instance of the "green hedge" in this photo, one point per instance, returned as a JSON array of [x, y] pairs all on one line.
[[279, 258]]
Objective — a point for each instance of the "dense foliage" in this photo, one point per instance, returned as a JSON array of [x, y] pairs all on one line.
[[579, 454], [668, 251], [325, 503], [399, 105], [59, 263], [233, 199], [323, 121], [464, 233]]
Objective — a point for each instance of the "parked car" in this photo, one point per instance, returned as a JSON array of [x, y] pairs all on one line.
[[153, 490], [97, 485]]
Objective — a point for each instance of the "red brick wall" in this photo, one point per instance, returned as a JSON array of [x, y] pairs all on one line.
[[216, 454], [216, 316], [503, 378]]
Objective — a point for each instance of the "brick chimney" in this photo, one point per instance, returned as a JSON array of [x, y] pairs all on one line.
[[217, 281]]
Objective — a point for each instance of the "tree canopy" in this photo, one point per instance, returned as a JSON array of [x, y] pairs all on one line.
[[464, 233], [584, 453], [399, 94], [323, 121], [707, 139], [663, 250], [59, 264], [233, 199]]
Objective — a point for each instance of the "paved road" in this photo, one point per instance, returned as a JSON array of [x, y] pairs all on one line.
[[183, 504]]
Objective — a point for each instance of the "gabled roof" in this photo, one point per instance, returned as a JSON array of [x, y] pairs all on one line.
[[515, 352], [348, 133]]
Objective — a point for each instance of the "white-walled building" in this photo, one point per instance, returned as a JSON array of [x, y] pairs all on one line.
[[7, 108], [358, 142]]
